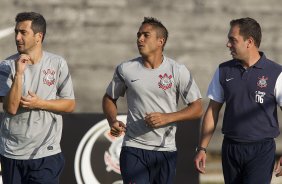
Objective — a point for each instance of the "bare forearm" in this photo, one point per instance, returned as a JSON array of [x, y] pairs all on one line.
[[191, 112], [207, 131], [58, 105], [109, 109], [12, 100], [209, 123]]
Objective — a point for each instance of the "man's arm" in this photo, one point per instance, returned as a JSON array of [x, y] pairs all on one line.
[[12, 99], [208, 127], [110, 110], [32, 101], [279, 163], [193, 111]]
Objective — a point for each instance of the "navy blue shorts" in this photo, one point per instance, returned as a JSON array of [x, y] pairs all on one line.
[[139, 166], [36, 171], [245, 163]]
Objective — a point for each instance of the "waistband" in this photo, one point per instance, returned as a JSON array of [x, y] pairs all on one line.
[[232, 141]]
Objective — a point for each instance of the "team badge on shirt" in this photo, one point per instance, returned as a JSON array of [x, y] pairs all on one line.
[[262, 83], [165, 82], [49, 77]]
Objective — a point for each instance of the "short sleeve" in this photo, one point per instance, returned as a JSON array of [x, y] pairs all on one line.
[[278, 90], [117, 86], [188, 88], [215, 90], [65, 86], [5, 78]]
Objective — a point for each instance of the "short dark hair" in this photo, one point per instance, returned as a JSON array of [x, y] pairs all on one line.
[[248, 28], [38, 23], [161, 29]]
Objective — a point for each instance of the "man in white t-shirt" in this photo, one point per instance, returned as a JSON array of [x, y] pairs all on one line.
[[153, 84], [35, 88]]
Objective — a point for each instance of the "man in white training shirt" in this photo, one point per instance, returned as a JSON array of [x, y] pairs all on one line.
[[153, 84], [35, 87]]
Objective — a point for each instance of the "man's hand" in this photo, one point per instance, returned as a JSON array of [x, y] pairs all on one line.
[[200, 162], [31, 101], [21, 63], [156, 119], [278, 167], [117, 128]]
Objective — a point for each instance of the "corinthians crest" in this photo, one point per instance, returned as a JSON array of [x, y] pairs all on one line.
[[165, 82], [262, 83], [49, 77]]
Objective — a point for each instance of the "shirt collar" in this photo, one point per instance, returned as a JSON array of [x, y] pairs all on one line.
[[261, 61], [259, 64]]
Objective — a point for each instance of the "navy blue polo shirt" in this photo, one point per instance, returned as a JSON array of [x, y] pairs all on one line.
[[251, 96]]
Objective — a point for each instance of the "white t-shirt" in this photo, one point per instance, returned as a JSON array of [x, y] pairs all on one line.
[[152, 90], [32, 134]]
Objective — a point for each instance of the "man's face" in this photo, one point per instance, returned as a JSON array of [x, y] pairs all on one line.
[[25, 38], [236, 43], [148, 42]]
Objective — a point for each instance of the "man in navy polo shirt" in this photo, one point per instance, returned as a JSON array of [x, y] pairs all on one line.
[[250, 85]]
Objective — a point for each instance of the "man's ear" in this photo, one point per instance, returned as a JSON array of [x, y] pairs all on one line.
[[162, 41], [39, 37], [251, 42]]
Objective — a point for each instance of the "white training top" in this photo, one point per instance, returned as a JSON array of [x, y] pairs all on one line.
[[32, 134], [152, 90]]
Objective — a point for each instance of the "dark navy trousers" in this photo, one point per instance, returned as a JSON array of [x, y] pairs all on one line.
[[248, 163], [35, 171], [139, 166]]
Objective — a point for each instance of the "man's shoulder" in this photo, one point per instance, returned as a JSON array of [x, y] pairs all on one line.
[[229, 63], [133, 60], [11, 58], [53, 59], [52, 56], [130, 62], [174, 65], [8, 62], [273, 64]]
